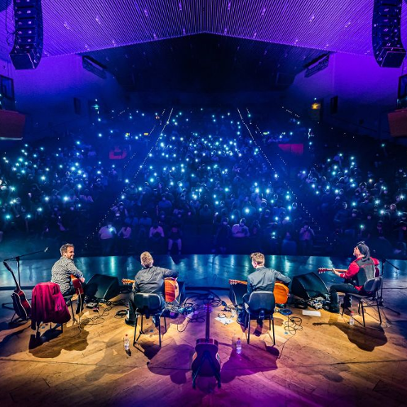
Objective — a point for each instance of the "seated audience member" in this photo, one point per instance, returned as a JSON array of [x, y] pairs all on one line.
[[174, 236], [240, 230]]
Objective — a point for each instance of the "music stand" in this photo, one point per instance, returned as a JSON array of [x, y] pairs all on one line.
[[17, 260], [380, 299]]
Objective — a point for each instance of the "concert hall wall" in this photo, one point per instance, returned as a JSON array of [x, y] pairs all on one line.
[[46, 94], [365, 91]]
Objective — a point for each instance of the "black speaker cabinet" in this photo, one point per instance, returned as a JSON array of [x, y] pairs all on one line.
[[102, 287], [28, 35], [308, 286]]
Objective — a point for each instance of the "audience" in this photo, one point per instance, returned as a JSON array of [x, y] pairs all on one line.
[[205, 185]]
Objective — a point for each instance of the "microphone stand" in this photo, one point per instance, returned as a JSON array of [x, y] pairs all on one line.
[[17, 260], [380, 299]]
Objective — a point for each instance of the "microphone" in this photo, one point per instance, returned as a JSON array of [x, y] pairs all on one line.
[[46, 249]]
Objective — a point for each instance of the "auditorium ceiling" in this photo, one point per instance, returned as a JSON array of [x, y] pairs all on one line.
[[277, 36]]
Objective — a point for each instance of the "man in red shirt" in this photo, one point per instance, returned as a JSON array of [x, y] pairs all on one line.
[[361, 269]]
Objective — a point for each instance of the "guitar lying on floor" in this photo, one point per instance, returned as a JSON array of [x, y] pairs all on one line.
[[171, 288], [281, 291]]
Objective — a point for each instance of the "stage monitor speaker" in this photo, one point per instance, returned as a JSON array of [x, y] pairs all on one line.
[[102, 287], [28, 37], [386, 33], [308, 286]]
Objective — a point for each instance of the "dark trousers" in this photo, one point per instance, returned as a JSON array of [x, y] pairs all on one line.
[[342, 288], [81, 298]]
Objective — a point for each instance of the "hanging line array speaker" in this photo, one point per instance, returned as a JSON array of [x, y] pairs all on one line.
[[386, 33], [28, 39]]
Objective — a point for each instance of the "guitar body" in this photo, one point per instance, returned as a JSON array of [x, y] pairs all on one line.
[[77, 285], [20, 304], [281, 293], [206, 357], [171, 288]]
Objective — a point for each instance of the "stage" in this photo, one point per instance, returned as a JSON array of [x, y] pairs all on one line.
[[317, 360]]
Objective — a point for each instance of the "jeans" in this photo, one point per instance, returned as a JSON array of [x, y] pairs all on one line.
[[343, 288]]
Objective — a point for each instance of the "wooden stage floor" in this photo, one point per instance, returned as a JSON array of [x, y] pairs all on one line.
[[318, 361]]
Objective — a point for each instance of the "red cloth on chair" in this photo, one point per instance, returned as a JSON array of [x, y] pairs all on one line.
[[48, 305]]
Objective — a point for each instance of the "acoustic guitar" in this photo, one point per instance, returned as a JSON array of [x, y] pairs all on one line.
[[324, 270], [171, 288], [281, 291], [20, 304], [77, 285], [206, 359]]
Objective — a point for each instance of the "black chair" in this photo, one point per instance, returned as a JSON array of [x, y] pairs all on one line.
[[261, 304], [148, 304], [369, 297]]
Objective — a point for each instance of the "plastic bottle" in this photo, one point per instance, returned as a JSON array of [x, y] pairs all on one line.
[[238, 346], [126, 342], [351, 320]]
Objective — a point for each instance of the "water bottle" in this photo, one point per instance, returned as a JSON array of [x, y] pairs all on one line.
[[351, 320], [126, 343], [238, 346]]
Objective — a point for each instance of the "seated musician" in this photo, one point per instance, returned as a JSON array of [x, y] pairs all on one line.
[[361, 269], [150, 279], [262, 279], [62, 271]]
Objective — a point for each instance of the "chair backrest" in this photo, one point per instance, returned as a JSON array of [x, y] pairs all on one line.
[[148, 303], [262, 300], [372, 286]]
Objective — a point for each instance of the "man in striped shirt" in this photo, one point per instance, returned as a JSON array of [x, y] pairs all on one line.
[[64, 268]]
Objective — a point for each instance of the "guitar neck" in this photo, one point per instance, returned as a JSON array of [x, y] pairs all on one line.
[[323, 270], [233, 282], [12, 273], [207, 333]]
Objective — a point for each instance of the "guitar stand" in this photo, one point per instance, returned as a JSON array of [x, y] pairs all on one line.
[[206, 356], [17, 320]]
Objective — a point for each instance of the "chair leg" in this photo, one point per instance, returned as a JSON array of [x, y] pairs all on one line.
[[363, 312], [378, 310], [274, 335], [248, 327], [135, 330], [159, 331]]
